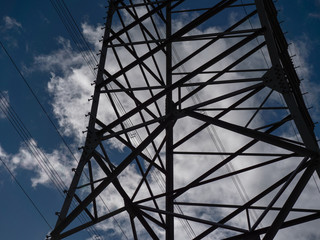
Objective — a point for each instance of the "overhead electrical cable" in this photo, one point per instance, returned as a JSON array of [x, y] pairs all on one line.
[[37, 99], [25, 135], [84, 49], [29, 142]]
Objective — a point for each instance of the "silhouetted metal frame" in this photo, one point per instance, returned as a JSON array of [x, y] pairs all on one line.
[[277, 47]]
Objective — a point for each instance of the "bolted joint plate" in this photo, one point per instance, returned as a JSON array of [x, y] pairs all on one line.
[[92, 141], [275, 78]]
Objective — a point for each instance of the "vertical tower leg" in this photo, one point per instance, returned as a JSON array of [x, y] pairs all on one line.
[[169, 133]]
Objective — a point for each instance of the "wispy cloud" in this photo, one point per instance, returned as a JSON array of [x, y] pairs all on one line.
[[314, 15], [62, 60], [11, 23], [8, 27]]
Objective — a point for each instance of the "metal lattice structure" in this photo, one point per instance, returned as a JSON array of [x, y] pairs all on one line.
[[204, 102]]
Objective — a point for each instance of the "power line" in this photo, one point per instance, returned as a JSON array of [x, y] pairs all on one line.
[[27, 138], [37, 99], [87, 54]]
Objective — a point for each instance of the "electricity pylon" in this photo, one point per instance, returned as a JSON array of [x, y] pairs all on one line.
[[197, 124]]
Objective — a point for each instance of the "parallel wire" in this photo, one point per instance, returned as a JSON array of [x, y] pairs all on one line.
[[28, 140], [38, 154], [36, 98], [83, 48], [44, 163]]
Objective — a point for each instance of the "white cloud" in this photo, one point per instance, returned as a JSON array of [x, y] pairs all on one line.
[[46, 166], [93, 35], [11, 23], [59, 61], [70, 101]]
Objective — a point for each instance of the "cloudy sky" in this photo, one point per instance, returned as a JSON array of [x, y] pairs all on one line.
[[46, 56]]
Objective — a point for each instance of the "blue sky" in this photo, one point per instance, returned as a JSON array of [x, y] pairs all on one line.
[[31, 31]]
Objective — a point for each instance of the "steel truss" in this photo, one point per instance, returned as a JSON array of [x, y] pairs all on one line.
[[204, 101]]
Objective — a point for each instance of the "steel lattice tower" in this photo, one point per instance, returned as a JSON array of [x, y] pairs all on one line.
[[204, 100]]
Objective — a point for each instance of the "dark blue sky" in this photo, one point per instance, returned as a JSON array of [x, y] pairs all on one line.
[[34, 30]]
